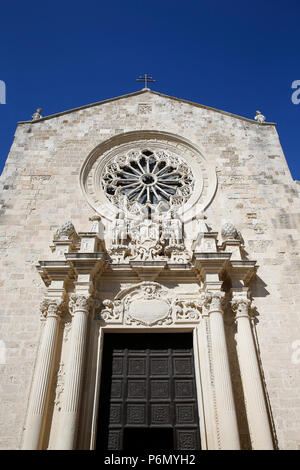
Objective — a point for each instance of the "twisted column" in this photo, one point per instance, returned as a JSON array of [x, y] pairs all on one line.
[[256, 409], [227, 428], [33, 433], [79, 309]]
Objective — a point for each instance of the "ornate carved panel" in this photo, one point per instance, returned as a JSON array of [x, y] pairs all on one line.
[[149, 304]]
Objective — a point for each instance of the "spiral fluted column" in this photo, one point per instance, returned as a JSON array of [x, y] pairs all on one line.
[[227, 428], [256, 409], [79, 308], [33, 432]]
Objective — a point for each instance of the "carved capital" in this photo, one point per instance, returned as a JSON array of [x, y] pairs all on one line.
[[214, 301], [51, 308], [79, 303], [240, 305]]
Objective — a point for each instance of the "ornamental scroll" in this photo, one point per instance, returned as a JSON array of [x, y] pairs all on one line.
[[149, 304]]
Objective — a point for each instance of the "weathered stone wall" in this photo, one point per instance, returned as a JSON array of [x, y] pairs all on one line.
[[40, 191]]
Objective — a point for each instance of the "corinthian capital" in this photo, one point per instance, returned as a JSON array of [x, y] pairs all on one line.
[[240, 305], [79, 302], [213, 301], [51, 308]]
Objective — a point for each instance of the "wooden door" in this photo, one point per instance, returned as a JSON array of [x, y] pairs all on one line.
[[148, 395]]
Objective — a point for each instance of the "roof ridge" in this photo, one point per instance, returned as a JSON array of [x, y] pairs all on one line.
[[142, 91]]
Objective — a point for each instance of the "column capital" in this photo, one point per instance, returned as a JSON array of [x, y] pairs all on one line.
[[213, 301], [51, 308], [240, 304], [79, 302]]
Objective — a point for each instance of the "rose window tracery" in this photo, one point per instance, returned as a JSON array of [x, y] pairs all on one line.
[[148, 177]]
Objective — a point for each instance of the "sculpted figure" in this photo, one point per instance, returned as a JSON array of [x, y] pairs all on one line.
[[260, 118], [175, 230], [119, 229], [37, 115]]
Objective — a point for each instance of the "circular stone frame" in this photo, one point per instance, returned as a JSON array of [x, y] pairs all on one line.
[[93, 167]]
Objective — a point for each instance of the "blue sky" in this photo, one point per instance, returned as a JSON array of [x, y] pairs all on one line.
[[238, 56]]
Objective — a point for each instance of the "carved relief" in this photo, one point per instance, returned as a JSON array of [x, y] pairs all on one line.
[[187, 311], [144, 239], [112, 311], [64, 232], [145, 108], [148, 304]]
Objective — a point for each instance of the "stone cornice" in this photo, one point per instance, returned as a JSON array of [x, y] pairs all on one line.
[[141, 92]]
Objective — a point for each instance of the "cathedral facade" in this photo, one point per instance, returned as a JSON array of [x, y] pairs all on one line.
[[150, 281]]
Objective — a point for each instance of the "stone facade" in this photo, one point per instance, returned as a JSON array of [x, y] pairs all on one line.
[[252, 207]]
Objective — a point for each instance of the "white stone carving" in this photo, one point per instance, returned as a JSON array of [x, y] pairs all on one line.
[[149, 239], [229, 232], [148, 304], [177, 253], [241, 305], [213, 301], [51, 308], [172, 228], [112, 311], [79, 302], [260, 118], [64, 232], [119, 229], [37, 115], [187, 311], [145, 240], [119, 254]]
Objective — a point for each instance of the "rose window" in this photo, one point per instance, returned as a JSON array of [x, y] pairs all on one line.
[[148, 177]]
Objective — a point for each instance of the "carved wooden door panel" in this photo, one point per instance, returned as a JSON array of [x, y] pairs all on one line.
[[148, 395]]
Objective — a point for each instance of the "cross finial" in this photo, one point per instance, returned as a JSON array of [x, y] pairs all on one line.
[[145, 79]]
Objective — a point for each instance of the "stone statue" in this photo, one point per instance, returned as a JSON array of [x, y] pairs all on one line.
[[260, 118], [37, 115], [119, 229], [175, 227]]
